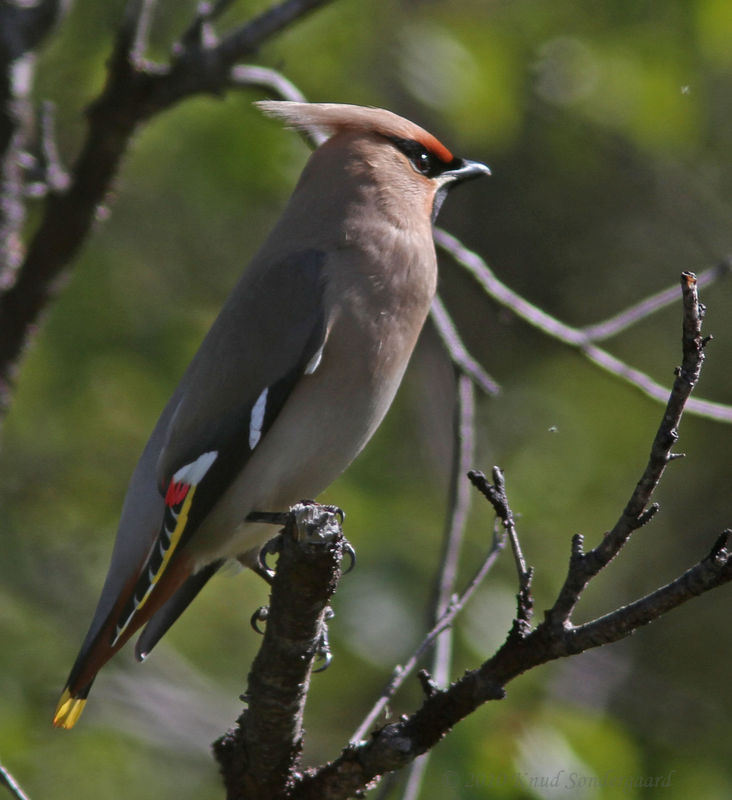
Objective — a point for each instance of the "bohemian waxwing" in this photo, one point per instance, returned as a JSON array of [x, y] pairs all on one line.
[[291, 381]]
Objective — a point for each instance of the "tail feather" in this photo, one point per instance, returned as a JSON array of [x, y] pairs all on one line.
[[69, 708], [106, 643], [161, 621]]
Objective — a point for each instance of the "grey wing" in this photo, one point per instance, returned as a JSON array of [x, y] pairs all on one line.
[[270, 331], [251, 350]]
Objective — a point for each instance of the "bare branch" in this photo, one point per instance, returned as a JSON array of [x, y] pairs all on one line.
[[496, 495], [271, 81], [715, 569], [247, 38], [650, 305], [447, 605], [459, 508], [22, 27], [207, 12], [399, 743], [460, 495], [456, 349], [136, 28], [574, 337], [134, 92], [447, 619], [9, 782], [583, 567], [258, 756]]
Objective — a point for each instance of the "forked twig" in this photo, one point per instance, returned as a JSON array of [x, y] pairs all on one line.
[[402, 673], [574, 337], [496, 496], [584, 566]]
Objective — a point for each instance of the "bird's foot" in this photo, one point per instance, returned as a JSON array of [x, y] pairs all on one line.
[[260, 615], [351, 553], [260, 566], [323, 652], [269, 517]]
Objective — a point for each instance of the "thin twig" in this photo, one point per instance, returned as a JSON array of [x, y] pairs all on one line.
[[637, 512], [136, 23], [496, 495], [9, 782], [619, 623], [650, 305], [574, 337], [456, 349], [415, 777], [272, 81], [459, 508], [460, 494], [207, 12], [402, 673]]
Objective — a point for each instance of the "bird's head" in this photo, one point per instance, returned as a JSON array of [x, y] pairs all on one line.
[[406, 162]]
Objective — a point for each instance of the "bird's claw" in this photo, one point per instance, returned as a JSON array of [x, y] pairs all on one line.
[[271, 548], [327, 657], [351, 553], [260, 615], [323, 652]]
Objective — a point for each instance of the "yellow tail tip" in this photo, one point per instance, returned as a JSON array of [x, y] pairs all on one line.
[[68, 710]]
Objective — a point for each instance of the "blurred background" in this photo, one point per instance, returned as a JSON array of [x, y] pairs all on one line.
[[607, 126]]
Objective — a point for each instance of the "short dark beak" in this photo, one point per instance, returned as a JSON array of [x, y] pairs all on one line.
[[462, 170], [466, 171]]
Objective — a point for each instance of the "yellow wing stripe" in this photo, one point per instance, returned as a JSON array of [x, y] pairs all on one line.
[[180, 526], [175, 537]]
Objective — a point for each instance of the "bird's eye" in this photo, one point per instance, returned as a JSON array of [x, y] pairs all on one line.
[[423, 162], [419, 157]]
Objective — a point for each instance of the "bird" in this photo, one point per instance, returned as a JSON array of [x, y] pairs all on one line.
[[292, 379]]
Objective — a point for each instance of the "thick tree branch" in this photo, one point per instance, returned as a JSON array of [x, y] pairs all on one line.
[[258, 756], [134, 92], [22, 28]]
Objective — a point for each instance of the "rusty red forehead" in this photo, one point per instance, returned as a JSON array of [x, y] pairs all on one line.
[[434, 146]]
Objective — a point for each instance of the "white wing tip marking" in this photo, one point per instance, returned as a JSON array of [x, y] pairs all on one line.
[[257, 419], [193, 473], [314, 362]]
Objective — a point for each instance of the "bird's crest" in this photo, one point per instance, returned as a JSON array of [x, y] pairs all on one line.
[[334, 117]]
